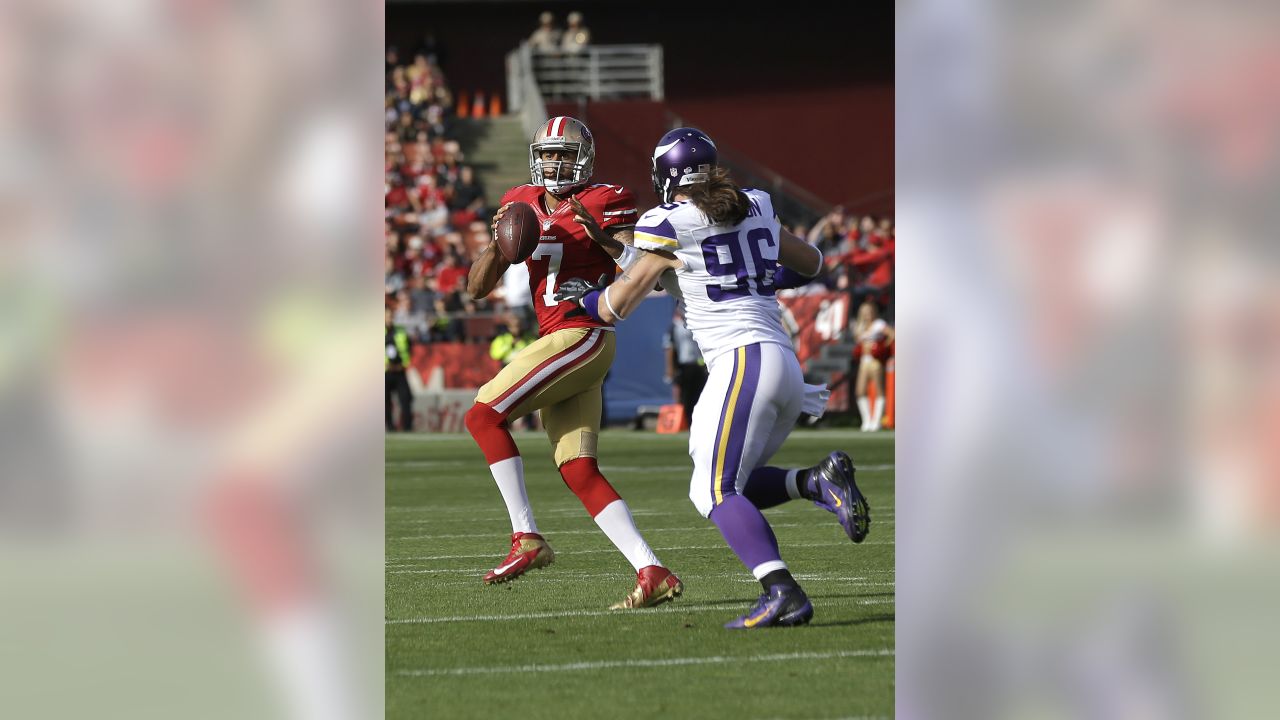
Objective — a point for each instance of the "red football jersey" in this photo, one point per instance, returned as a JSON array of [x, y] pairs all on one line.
[[566, 251]]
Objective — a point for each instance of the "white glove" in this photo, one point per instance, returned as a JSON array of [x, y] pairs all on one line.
[[815, 399]]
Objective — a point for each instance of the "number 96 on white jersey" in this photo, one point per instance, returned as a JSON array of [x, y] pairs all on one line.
[[726, 279]]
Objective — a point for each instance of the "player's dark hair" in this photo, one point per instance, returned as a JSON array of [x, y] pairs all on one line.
[[719, 198]]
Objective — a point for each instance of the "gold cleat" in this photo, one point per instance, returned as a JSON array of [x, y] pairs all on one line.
[[528, 552], [654, 586]]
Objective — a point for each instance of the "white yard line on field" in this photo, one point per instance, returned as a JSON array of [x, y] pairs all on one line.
[[562, 578], [665, 662], [675, 609]]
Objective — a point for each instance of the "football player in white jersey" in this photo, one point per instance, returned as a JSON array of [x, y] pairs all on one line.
[[723, 253]]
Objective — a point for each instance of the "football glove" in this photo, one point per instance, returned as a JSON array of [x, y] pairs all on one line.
[[584, 294]]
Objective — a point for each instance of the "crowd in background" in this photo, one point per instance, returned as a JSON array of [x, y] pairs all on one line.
[[437, 220], [436, 214], [859, 254]]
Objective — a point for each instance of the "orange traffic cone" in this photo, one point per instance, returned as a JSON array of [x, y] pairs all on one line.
[[463, 107], [671, 419], [477, 108], [495, 106], [887, 422]]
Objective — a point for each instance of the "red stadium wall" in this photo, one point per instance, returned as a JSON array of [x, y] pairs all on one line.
[[835, 142], [462, 365], [830, 142]]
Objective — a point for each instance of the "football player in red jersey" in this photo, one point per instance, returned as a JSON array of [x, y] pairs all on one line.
[[562, 372]]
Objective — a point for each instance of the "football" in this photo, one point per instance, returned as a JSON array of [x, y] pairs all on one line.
[[518, 232]]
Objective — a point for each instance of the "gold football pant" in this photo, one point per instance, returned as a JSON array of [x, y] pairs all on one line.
[[560, 374]]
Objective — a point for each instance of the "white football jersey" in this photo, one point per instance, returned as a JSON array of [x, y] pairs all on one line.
[[726, 277]]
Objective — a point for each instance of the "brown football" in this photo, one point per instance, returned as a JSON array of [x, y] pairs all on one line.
[[518, 232]]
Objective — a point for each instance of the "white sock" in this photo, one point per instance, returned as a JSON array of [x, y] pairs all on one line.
[[615, 520], [793, 489], [878, 412], [305, 653], [864, 409], [767, 567], [509, 474]]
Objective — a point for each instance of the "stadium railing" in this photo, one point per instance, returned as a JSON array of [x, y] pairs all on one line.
[[597, 72], [523, 95]]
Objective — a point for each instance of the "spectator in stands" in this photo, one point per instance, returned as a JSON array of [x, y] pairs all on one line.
[[455, 243], [433, 214], [874, 338], [406, 223], [422, 295], [450, 276], [686, 370], [576, 37], [826, 234], [434, 117], [546, 38], [872, 265], [866, 227], [406, 130], [467, 202], [397, 379], [432, 255], [395, 196], [413, 263], [415, 167], [403, 306], [394, 280], [449, 170]]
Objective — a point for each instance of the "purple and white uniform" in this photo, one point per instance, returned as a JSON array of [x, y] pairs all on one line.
[[755, 390]]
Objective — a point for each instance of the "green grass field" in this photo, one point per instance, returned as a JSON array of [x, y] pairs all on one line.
[[546, 645]]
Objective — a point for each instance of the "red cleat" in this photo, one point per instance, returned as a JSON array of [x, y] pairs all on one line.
[[528, 552], [654, 586]]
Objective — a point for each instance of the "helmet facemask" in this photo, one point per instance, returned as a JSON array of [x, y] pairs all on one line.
[[667, 187], [581, 166]]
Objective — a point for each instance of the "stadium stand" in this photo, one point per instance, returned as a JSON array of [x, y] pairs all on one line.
[[438, 205]]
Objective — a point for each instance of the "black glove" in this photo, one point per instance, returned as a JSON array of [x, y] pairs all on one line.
[[574, 289]]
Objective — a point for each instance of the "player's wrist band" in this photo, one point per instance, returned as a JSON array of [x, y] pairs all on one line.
[[609, 305], [786, 278], [590, 303], [628, 257]]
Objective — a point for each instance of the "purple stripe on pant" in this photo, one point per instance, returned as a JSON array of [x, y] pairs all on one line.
[[728, 473], [744, 528]]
